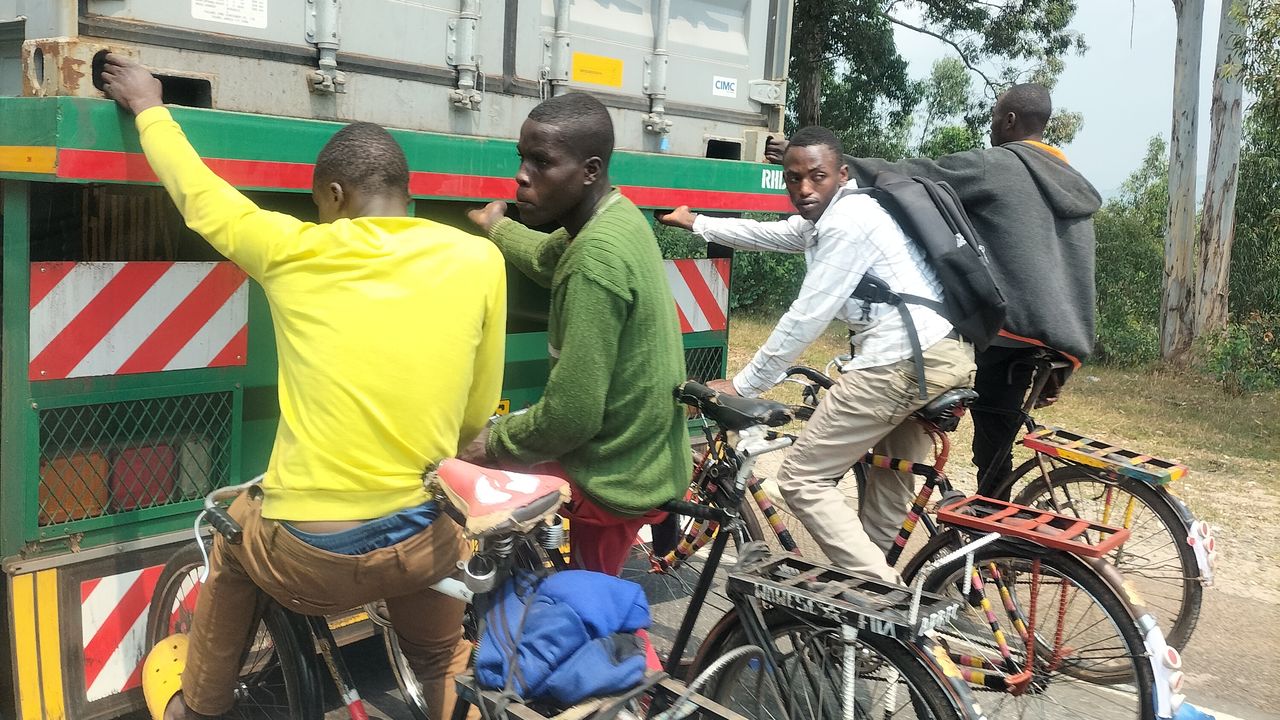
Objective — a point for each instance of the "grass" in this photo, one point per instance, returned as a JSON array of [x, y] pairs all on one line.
[[1179, 416]]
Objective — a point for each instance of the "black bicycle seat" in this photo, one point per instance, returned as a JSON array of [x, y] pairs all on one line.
[[730, 411], [945, 411]]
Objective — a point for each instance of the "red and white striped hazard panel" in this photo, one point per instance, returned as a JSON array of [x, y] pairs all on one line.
[[701, 290], [113, 617], [117, 318]]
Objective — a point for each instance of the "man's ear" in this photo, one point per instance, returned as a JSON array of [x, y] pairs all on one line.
[[591, 170], [1011, 120], [336, 194], [844, 173]]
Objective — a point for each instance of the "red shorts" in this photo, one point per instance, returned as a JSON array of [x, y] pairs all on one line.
[[598, 539]]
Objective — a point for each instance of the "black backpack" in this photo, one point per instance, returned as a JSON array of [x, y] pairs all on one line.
[[931, 215]]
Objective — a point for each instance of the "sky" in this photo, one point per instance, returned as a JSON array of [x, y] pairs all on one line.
[[1123, 87]]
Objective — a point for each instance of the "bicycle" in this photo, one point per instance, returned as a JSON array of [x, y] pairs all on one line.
[[1170, 554], [1034, 561], [280, 678], [830, 643]]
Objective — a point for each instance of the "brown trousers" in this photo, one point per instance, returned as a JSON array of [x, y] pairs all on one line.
[[867, 408], [272, 561]]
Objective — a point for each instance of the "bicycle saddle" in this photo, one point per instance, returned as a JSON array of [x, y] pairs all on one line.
[[731, 412], [490, 502], [945, 411]]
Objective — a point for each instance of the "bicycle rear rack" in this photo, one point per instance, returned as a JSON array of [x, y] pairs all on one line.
[[827, 592], [1100, 454], [1060, 532]]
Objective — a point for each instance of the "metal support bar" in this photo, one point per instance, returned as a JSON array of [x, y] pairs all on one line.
[[322, 31], [558, 55], [463, 31], [695, 603], [655, 71], [849, 636]]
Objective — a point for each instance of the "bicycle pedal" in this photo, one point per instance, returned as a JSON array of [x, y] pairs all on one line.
[[1073, 447]]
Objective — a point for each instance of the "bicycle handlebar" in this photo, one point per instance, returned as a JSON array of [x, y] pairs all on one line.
[[217, 515], [224, 524], [814, 376], [702, 512]]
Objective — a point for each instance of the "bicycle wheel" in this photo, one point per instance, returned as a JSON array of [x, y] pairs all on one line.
[[277, 677], [1156, 558], [406, 680], [893, 680], [1088, 653]]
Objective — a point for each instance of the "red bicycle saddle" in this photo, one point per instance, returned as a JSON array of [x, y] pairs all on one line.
[[492, 501]]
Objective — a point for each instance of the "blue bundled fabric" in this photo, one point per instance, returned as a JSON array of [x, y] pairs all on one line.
[[571, 636]]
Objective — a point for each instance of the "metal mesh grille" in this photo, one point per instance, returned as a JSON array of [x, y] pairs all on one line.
[[704, 363], [114, 457]]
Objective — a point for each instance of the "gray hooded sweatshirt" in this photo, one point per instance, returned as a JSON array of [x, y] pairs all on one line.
[[1034, 214]]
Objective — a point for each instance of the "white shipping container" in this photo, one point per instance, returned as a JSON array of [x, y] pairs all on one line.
[[690, 77]]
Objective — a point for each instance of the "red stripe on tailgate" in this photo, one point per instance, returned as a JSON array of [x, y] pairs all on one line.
[[235, 352], [123, 616], [697, 284], [45, 276], [196, 309], [88, 328]]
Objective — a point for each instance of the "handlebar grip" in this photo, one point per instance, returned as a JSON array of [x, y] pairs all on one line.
[[813, 376], [702, 512], [227, 527], [693, 393]]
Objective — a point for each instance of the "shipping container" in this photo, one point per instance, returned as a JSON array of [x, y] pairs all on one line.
[[701, 78]]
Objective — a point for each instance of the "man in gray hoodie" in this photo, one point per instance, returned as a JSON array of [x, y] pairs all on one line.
[[1033, 213]]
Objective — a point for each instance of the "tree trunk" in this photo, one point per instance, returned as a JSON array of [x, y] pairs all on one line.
[[1217, 223], [809, 39], [1177, 311]]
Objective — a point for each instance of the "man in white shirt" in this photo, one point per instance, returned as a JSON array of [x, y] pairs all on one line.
[[844, 237]]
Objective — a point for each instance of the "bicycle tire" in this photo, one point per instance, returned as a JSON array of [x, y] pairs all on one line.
[[406, 680], [1164, 559], [278, 677], [927, 696], [1081, 670]]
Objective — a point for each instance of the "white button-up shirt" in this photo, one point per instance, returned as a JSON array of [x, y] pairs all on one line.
[[854, 236]]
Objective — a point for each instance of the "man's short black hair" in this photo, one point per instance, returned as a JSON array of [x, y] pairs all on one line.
[[815, 136], [363, 156], [583, 122], [1031, 103]]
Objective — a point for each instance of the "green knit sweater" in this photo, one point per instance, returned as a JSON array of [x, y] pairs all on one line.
[[607, 414]]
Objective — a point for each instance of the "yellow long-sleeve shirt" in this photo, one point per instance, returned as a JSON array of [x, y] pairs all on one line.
[[389, 333]]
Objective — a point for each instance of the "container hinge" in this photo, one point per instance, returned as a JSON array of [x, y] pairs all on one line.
[[556, 60], [460, 52], [322, 31], [768, 92], [655, 86]]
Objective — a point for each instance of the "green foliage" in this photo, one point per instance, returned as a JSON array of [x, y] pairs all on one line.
[[949, 139], [1245, 357], [1255, 257], [765, 280], [1130, 263], [847, 74], [678, 242]]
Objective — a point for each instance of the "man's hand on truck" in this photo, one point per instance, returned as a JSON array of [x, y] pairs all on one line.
[[681, 217], [488, 216], [132, 86]]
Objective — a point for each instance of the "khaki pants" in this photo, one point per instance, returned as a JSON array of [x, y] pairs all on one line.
[[272, 561], [864, 409]]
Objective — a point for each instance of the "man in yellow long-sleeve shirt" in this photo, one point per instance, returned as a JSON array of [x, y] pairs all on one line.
[[389, 331]]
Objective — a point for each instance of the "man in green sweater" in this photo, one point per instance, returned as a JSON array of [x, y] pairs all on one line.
[[607, 415]]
